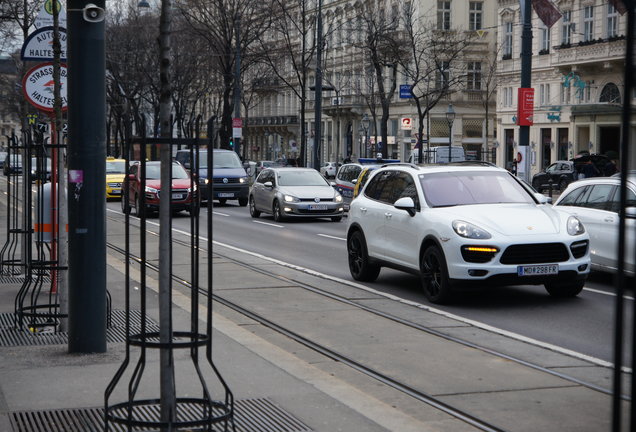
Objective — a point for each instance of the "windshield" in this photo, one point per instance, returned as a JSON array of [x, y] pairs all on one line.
[[301, 178], [465, 188], [115, 167], [153, 171], [226, 160], [34, 163]]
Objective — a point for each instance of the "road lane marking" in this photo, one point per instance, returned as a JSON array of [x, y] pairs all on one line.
[[332, 237], [220, 214], [269, 224], [611, 294]]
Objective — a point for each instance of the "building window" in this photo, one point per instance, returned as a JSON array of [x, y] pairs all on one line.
[[507, 48], [588, 23], [610, 94], [507, 96], [566, 28], [545, 40], [474, 76], [443, 15], [475, 15], [587, 93], [565, 95], [612, 21], [544, 94]]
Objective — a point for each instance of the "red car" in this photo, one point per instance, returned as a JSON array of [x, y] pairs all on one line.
[[185, 194]]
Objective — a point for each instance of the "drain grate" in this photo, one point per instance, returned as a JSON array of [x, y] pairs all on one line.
[[251, 415], [116, 333]]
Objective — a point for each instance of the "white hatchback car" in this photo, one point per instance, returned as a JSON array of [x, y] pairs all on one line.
[[596, 202], [328, 169], [464, 224]]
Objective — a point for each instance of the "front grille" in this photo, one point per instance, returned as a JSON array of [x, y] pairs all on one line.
[[228, 180], [535, 253], [325, 200], [114, 185], [579, 248], [307, 211]]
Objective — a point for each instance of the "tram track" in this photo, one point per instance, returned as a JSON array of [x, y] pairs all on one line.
[[350, 362]]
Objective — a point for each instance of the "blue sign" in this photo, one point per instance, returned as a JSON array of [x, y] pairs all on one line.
[[405, 91]]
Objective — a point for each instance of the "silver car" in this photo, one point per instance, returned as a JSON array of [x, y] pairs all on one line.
[[294, 192], [596, 202]]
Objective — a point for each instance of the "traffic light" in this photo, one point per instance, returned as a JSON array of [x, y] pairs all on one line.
[[232, 143]]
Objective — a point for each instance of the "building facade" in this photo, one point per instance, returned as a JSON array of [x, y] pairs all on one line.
[[577, 74]]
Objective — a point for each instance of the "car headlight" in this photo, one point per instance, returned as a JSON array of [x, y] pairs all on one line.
[[575, 226], [206, 181], [338, 198], [468, 230], [290, 198], [243, 180], [151, 190]]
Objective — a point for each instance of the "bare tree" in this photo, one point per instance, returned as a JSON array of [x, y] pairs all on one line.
[[434, 66], [291, 43], [254, 93], [384, 46], [216, 22]]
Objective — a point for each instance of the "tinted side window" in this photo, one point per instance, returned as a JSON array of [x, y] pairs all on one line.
[[405, 187], [573, 197], [615, 201], [598, 198], [376, 185]]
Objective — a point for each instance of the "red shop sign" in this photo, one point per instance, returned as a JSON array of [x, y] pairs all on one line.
[[525, 106]]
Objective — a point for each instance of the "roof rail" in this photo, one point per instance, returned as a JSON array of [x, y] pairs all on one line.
[[472, 162]]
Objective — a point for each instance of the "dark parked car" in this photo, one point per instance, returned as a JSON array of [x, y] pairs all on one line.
[[562, 173], [12, 165], [557, 176]]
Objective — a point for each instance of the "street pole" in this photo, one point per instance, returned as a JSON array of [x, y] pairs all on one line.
[[237, 83], [318, 95], [526, 71], [87, 170]]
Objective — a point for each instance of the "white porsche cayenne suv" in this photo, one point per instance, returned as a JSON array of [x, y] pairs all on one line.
[[462, 225]]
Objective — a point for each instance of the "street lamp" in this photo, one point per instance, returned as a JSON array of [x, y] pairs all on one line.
[[450, 118], [365, 122]]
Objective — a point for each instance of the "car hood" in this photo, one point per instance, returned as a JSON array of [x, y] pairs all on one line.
[[308, 192], [224, 172], [176, 184], [510, 219]]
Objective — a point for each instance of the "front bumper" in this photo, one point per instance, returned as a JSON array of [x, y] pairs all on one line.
[[572, 265], [312, 210]]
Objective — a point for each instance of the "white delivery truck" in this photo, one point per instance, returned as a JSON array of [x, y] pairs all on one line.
[[438, 154]]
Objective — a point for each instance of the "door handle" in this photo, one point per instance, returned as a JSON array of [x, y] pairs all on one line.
[[363, 209], [609, 219], [388, 215]]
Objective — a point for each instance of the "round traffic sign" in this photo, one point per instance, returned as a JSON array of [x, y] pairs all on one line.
[[37, 86]]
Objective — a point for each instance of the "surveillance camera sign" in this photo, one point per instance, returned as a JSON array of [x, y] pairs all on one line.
[[38, 83]]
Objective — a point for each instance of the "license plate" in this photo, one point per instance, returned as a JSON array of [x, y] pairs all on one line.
[[538, 270], [177, 196], [317, 207], [115, 191], [226, 194]]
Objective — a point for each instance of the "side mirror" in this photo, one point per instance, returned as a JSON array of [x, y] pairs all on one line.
[[268, 184], [405, 203], [542, 198]]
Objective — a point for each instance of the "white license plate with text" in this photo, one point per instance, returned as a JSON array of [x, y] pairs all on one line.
[[226, 194], [538, 270], [317, 207]]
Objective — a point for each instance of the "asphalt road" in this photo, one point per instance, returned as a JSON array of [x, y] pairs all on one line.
[[584, 324]]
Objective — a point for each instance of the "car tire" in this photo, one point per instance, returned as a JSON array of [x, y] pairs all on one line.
[[563, 184], [434, 274], [360, 266], [139, 211], [242, 202], [562, 290], [253, 212], [336, 218], [277, 212]]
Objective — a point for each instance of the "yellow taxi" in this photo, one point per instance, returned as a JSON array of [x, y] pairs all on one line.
[[115, 172]]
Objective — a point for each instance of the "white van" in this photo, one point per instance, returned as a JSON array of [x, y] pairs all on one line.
[[438, 154]]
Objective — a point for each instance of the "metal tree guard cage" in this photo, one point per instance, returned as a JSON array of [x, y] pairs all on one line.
[[187, 412]]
